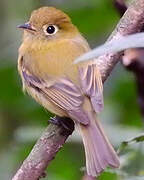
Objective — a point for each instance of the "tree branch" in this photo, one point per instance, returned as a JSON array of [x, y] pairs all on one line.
[[130, 23], [44, 151], [54, 136], [133, 60]]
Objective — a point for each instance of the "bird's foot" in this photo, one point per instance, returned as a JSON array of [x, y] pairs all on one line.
[[54, 120], [65, 122]]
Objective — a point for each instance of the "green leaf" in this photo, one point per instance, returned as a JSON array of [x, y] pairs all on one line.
[[124, 144]]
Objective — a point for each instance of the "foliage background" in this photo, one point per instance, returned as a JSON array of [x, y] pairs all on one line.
[[22, 120]]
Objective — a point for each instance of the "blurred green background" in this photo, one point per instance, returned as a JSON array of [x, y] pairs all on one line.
[[22, 120]]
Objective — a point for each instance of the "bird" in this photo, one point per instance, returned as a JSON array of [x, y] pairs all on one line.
[[50, 44]]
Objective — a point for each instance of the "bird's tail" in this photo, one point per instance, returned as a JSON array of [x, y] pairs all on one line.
[[99, 152]]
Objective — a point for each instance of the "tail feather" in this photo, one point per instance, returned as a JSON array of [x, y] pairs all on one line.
[[99, 152]]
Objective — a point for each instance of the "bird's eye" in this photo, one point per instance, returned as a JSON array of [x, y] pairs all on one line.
[[50, 30]]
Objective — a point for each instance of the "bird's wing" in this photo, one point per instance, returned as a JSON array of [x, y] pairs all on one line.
[[62, 93], [92, 86], [90, 77]]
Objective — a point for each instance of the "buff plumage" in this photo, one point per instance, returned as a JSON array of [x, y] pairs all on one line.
[[50, 45]]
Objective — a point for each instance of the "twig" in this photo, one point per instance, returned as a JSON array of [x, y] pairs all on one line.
[[52, 139]]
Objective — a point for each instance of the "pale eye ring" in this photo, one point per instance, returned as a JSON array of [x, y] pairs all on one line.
[[50, 29]]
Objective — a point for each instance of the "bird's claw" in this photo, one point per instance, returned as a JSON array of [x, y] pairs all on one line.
[[64, 122], [54, 120]]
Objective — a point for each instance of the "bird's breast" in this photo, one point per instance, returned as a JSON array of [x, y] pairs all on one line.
[[53, 60]]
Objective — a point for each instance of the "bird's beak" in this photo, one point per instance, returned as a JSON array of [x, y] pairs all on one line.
[[26, 26]]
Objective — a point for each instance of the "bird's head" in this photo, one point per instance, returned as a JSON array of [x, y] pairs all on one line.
[[48, 23]]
